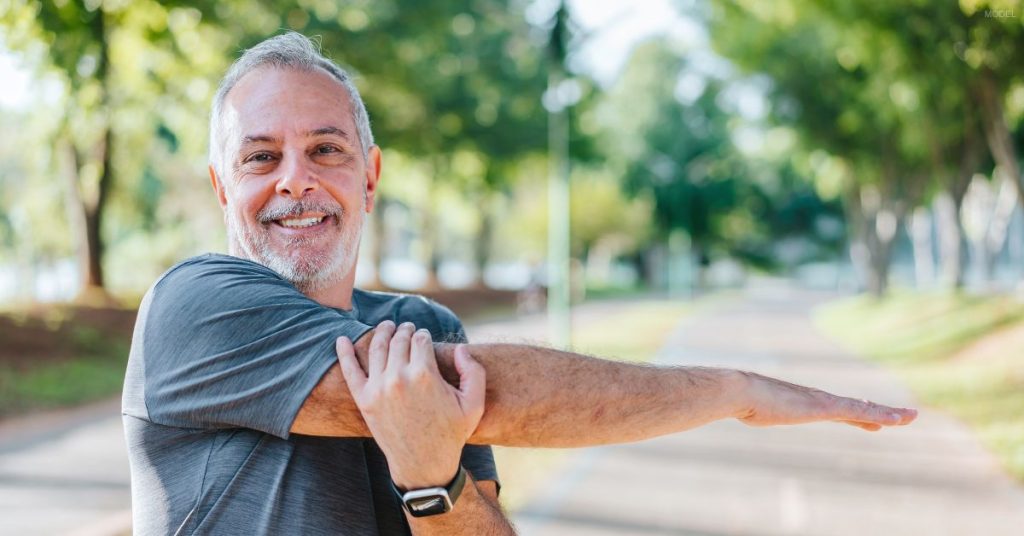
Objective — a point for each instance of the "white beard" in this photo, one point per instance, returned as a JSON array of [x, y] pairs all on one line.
[[312, 270]]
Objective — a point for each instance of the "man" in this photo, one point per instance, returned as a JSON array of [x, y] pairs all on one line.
[[248, 409]]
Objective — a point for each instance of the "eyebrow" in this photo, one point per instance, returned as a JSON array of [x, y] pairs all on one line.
[[322, 131], [326, 131], [257, 138]]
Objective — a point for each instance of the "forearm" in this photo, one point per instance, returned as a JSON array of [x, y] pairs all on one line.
[[330, 411], [473, 515], [539, 397]]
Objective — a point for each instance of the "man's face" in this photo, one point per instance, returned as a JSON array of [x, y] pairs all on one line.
[[296, 185]]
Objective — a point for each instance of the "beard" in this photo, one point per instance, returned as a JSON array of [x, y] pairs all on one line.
[[311, 263]]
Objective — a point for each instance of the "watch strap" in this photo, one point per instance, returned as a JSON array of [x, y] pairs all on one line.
[[449, 492]]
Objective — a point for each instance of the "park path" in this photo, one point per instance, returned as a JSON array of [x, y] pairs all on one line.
[[931, 478], [67, 474]]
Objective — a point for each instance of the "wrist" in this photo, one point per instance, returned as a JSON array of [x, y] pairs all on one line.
[[439, 477], [739, 393], [435, 500]]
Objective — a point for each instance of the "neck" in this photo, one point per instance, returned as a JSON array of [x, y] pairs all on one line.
[[338, 295]]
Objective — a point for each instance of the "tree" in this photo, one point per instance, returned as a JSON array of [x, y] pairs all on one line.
[[929, 79], [679, 154], [117, 61]]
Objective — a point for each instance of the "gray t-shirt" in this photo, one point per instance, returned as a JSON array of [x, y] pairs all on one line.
[[224, 354]]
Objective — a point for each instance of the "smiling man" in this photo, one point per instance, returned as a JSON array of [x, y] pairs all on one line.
[[248, 409]]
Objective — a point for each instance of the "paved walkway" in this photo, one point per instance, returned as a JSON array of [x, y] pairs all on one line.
[[69, 473], [66, 473], [931, 478]]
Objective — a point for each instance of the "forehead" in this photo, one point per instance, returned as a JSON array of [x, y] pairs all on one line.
[[279, 100]]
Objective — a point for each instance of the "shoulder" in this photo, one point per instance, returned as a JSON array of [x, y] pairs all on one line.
[[213, 267], [213, 276], [213, 287]]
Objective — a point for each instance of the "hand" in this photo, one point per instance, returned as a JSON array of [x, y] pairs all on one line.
[[768, 402], [418, 419]]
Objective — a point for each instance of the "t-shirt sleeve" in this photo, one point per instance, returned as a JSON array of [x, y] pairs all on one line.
[[450, 327], [229, 343], [479, 461]]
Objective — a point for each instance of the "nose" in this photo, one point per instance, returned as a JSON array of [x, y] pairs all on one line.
[[297, 178]]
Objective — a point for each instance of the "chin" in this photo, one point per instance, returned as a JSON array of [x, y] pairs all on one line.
[[313, 271], [309, 264]]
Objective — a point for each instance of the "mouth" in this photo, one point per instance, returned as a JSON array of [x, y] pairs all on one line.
[[303, 222]]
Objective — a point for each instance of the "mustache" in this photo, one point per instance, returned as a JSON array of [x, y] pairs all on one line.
[[284, 209]]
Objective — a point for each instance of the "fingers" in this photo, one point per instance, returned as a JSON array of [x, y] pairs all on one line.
[[472, 380], [378, 358], [398, 354], [871, 427], [869, 413], [421, 354], [350, 369]]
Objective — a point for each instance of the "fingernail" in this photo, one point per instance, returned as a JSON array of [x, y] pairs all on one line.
[[895, 417]]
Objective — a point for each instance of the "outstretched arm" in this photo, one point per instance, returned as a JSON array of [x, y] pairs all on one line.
[[540, 397]]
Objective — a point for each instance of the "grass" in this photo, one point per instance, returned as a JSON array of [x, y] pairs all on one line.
[[61, 355], [961, 354], [634, 334], [65, 383]]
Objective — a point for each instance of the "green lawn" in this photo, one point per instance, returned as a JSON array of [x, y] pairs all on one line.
[[634, 334], [61, 356], [961, 354]]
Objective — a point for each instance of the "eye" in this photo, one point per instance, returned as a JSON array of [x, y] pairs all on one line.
[[260, 157], [327, 149]]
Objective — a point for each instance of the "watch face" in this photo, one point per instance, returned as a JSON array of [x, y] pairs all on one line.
[[428, 505]]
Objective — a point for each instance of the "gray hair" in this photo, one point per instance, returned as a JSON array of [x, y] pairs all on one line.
[[292, 50]]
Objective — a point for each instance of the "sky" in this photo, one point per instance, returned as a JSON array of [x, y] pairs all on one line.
[[612, 28], [16, 81]]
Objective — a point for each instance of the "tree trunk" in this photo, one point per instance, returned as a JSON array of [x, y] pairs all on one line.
[[986, 218], [950, 229], [879, 240], [94, 214], [874, 221], [920, 226], [948, 205], [431, 228], [86, 215], [996, 131], [482, 243]]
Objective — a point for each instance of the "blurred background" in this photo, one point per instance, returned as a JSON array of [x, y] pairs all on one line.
[[817, 184]]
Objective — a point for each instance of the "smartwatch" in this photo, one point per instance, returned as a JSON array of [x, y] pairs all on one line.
[[432, 501]]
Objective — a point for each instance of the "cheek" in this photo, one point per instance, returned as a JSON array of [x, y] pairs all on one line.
[[350, 195], [247, 199]]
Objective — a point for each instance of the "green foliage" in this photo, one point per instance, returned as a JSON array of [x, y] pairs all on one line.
[[455, 85], [60, 384], [681, 154]]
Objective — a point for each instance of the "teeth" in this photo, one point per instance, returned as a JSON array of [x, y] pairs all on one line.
[[304, 222]]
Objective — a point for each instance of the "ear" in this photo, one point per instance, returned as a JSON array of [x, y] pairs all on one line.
[[218, 187], [373, 163]]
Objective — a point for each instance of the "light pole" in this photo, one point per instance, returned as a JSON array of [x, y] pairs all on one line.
[[558, 272]]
